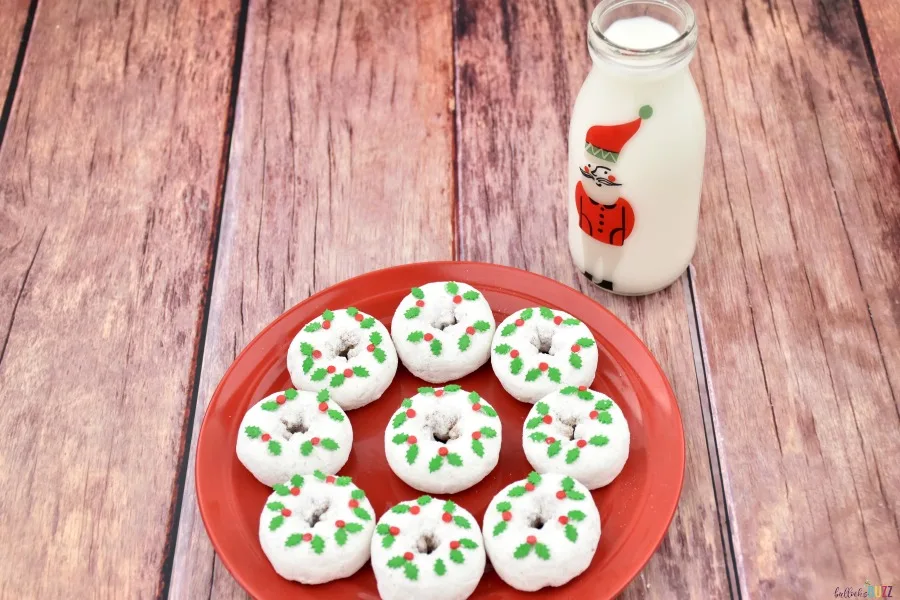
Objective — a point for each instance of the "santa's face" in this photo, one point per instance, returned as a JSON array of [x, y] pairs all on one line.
[[600, 183]]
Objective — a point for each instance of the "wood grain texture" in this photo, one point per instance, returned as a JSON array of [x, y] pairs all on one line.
[[882, 24], [341, 163], [519, 67], [13, 14], [797, 284], [109, 179]]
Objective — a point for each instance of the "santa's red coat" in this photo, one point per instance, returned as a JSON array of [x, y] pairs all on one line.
[[608, 224]]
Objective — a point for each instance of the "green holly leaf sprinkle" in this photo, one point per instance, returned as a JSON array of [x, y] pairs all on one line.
[[426, 390], [400, 509], [533, 374], [318, 474], [515, 367], [399, 419], [270, 406], [522, 551], [439, 567], [569, 390], [412, 312], [586, 395], [464, 342], [604, 417], [396, 562], [411, 453], [542, 551], [290, 393], [572, 455], [454, 459], [573, 495], [452, 388], [585, 342], [503, 349], [471, 295], [575, 360], [435, 463], [306, 448], [517, 491], [411, 571], [353, 527], [508, 329], [467, 543], [537, 436], [319, 375], [417, 293], [360, 371], [449, 506], [571, 322], [526, 314], [499, 528], [554, 448], [307, 364], [533, 423], [503, 506], [478, 448], [387, 541], [400, 438], [488, 432], [337, 380], [329, 444], [335, 415], [603, 404], [281, 489], [375, 338], [457, 557], [542, 408], [253, 432], [306, 348], [415, 337], [546, 312], [451, 287], [318, 544], [340, 536], [598, 440], [275, 506], [343, 481], [322, 396], [379, 355], [357, 494], [297, 480], [571, 533], [481, 326], [367, 323], [362, 514], [474, 397], [487, 410], [328, 315], [423, 500], [383, 529], [352, 311], [312, 327], [576, 515], [293, 540], [407, 403], [274, 448], [436, 347], [276, 522], [534, 478], [462, 522], [554, 375]]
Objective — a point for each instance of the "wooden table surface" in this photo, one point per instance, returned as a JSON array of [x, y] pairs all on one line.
[[174, 175]]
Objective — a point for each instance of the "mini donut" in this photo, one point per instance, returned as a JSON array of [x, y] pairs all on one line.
[[541, 531], [443, 330], [577, 432], [427, 548], [293, 432], [346, 351], [538, 350], [443, 440], [316, 528]]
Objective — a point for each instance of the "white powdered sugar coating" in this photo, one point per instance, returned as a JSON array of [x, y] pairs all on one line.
[[538, 350], [443, 440], [577, 432], [293, 432], [314, 529], [427, 548], [443, 331], [541, 531], [347, 352]]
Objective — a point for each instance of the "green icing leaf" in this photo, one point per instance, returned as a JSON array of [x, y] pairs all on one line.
[[526, 314], [360, 371], [423, 500], [503, 349], [415, 336], [457, 557], [312, 327], [375, 338], [276, 522], [603, 404], [534, 478], [353, 527], [569, 390], [352, 311], [319, 375], [411, 453], [275, 506], [362, 514], [585, 395], [396, 562], [357, 494], [343, 481], [400, 509], [481, 326], [274, 448], [464, 342], [467, 543], [471, 295], [306, 348], [306, 448], [435, 463], [379, 355], [572, 455], [554, 375], [270, 406], [585, 342], [508, 330], [281, 489], [399, 419], [573, 495], [451, 287], [462, 522], [383, 529], [542, 408], [436, 347], [328, 315], [488, 432], [329, 444], [604, 417], [487, 410], [576, 515], [297, 480], [253, 432], [515, 366], [411, 571], [554, 448], [290, 393], [412, 312], [503, 506], [407, 403], [337, 380], [307, 364], [533, 423], [318, 474], [454, 459], [598, 440], [367, 323], [318, 544], [417, 293], [532, 375], [537, 436], [542, 551], [400, 438], [571, 322], [575, 360], [439, 567], [517, 491], [452, 388], [335, 415], [546, 312], [499, 528], [387, 541], [478, 448], [449, 506], [340, 536], [323, 396], [426, 390], [293, 540], [474, 397], [522, 551]]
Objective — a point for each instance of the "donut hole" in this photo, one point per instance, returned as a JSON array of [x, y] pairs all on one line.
[[293, 426], [536, 521], [347, 345], [317, 512], [444, 319], [427, 543], [567, 427], [542, 340], [443, 427]]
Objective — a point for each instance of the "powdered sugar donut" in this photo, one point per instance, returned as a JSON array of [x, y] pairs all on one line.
[[293, 432], [577, 432], [346, 351], [443, 331], [317, 528], [427, 548], [541, 531], [443, 440], [538, 350]]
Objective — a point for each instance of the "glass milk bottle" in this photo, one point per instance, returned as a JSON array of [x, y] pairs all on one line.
[[636, 144]]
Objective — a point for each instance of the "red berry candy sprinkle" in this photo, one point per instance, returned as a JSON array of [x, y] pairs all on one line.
[[593, 414], [281, 399], [348, 372], [454, 545], [370, 348], [353, 503], [285, 512], [514, 354], [317, 354], [329, 479], [531, 540], [446, 517], [331, 369], [411, 440], [323, 406], [266, 437], [359, 317], [564, 519], [326, 324], [408, 555], [295, 491], [547, 419], [529, 486], [414, 510], [443, 451], [420, 303], [339, 524], [543, 366], [582, 388], [470, 330], [394, 531], [560, 494], [308, 536], [315, 441], [476, 435], [428, 337], [581, 443], [507, 516], [575, 347], [519, 322], [410, 413], [551, 439], [476, 407], [457, 299], [557, 319], [438, 393]]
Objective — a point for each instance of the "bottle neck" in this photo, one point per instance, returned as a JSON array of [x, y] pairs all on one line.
[[642, 38]]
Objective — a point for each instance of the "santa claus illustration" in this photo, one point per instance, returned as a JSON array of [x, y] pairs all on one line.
[[602, 212]]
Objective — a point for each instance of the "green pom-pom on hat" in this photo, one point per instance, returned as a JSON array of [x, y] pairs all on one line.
[[645, 112]]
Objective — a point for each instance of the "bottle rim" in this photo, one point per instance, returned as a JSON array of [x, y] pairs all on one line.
[[666, 55]]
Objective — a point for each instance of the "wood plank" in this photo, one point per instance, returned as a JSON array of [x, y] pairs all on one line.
[[797, 279], [13, 14], [343, 137], [882, 26], [109, 178], [519, 68]]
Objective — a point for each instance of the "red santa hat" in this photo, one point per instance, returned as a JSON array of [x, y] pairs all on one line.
[[606, 141]]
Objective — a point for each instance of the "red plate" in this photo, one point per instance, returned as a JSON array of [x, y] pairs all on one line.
[[635, 509]]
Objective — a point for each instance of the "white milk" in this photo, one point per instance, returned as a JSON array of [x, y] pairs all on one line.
[[636, 145]]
